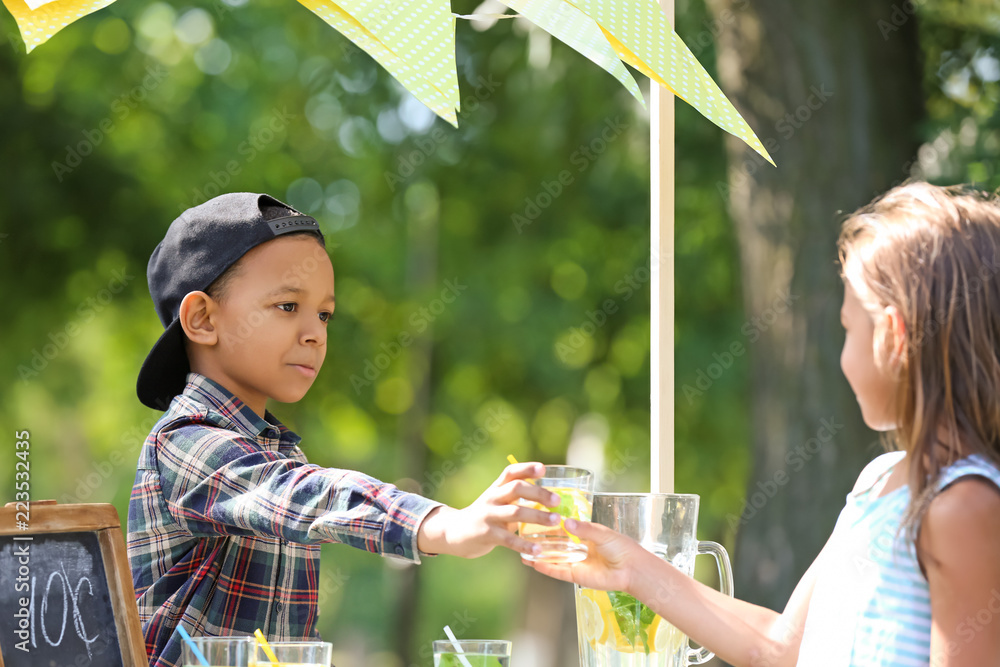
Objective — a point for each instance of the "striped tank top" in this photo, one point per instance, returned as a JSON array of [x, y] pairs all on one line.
[[870, 606]]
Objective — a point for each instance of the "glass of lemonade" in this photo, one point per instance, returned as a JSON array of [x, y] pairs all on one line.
[[575, 488], [295, 654], [220, 651], [472, 653]]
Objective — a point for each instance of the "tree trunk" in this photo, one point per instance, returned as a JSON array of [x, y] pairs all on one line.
[[833, 89]]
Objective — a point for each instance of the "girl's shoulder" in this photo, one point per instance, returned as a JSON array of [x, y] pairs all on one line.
[[976, 465], [962, 520]]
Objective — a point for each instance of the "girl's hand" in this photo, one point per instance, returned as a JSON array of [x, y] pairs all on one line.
[[609, 565], [491, 520]]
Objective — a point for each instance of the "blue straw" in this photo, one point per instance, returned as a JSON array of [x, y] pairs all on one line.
[[198, 654]]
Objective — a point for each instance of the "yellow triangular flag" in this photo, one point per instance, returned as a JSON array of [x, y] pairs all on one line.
[[421, 31], [44, 18], [577, 30], [416, 46], [642, 36]]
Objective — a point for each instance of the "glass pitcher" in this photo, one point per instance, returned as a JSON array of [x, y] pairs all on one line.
[[615, 629]]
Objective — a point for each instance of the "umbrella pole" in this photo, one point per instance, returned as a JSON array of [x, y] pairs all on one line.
[[661, 233]]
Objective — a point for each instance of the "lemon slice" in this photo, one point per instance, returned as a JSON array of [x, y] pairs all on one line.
[[592, 625], [606, 632], [663, 637]]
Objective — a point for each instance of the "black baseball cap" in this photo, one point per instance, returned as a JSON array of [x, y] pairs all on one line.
[[198, 248]]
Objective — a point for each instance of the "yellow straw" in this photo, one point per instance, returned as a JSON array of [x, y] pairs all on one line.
[[267, 647], [562, 520]]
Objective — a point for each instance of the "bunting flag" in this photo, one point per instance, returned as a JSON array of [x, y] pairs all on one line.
[[414, 40], [640, 35], [571, 26], [40, 19]]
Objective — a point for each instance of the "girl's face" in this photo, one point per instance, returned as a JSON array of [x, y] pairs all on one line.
[[873, 387]]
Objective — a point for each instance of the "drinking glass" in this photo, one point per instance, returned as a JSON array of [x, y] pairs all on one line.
[[296, 654], [472, 653], [219, 651], [575, 488]]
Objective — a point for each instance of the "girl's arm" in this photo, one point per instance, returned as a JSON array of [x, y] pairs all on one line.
[[959, 545], [738, 632]]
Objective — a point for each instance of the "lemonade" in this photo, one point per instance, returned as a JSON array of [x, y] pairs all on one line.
[[616, 630], [471, 652], [473, 659], [558, 544]]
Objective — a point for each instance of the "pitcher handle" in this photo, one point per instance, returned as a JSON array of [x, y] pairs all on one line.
[[717, 551]]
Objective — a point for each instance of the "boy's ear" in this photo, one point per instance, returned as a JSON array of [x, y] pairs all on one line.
[[195, 315]]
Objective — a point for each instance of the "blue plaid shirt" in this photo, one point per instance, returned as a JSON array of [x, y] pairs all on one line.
[[226, 518]]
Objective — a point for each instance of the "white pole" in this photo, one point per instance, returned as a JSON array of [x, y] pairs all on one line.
[[661, 236]]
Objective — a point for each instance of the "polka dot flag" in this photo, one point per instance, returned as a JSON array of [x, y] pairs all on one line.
[[640, 34], [568, 24], [415, 41], [415, 44], [39, 20]]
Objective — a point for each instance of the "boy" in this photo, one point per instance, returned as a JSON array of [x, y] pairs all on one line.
[[226, 515]]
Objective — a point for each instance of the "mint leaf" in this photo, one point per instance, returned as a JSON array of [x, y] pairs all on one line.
[[633, 618]]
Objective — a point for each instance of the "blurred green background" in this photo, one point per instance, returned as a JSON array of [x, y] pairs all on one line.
[[142, 109]]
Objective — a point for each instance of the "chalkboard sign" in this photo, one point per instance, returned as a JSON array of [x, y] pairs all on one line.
[[66, 588]]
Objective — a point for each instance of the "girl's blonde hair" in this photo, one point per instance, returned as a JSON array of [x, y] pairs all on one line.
[[934, 254]]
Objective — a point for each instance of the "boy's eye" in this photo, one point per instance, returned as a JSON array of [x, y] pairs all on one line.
[[287, 307], [325, 316]]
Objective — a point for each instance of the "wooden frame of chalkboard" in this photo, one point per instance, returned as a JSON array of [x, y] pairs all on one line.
[[71, 536]]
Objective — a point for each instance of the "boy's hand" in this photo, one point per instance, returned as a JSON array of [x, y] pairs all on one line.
[[491, 520]]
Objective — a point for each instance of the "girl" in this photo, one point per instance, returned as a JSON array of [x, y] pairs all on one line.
[[911, 574]]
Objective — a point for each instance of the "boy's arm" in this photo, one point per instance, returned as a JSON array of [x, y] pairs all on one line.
[[214, 483]]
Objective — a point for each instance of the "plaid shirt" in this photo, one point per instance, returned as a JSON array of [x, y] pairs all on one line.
[[226, 517]]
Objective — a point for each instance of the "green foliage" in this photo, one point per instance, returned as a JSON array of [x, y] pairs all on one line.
[[962, 83]]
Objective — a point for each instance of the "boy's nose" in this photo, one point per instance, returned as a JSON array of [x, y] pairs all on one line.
[[314, 332]]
